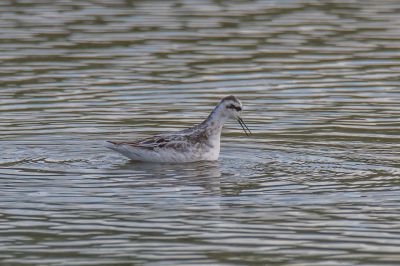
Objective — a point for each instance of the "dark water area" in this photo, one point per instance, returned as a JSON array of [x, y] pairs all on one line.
[[318, 183]]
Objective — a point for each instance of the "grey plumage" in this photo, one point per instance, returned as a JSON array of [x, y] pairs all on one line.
[[201, 142]]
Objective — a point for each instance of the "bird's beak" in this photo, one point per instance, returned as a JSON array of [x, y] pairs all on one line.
[[243, 125]]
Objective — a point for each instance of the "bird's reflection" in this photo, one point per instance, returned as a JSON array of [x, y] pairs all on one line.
[[204, 174]]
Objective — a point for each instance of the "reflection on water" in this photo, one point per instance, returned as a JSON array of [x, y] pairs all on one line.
[[203, 175], [317, 184]]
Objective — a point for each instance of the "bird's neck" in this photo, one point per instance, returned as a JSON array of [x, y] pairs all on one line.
[[216, 120]]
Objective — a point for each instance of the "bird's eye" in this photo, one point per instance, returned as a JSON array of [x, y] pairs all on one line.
[[232, 106]]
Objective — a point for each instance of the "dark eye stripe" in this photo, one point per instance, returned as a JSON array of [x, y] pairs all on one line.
[[231, 106]]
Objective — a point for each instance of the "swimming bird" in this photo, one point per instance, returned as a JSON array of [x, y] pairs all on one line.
[[198, 143]]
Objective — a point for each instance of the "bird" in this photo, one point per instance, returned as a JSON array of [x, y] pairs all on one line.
[[198, 143]]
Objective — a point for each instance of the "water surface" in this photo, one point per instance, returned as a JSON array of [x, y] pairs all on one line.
[[317, 184]]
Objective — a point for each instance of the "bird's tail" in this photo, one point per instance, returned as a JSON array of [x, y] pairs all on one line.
[[126, 150], [111, 144]]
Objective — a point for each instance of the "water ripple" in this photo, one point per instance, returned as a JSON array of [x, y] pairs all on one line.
[[317, 184]]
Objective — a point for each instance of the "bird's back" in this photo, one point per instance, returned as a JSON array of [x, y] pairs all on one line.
[[189, 145]]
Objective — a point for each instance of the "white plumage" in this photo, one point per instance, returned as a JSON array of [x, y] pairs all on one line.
[[199, 143]]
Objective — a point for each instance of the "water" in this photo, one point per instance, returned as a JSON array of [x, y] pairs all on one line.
[[317, 184]]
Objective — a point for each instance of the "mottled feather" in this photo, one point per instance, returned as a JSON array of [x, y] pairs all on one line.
[[201, 142]]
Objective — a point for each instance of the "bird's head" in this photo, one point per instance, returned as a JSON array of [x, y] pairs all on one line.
[[232, 108]]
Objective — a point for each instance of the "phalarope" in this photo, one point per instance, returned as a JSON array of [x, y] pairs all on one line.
[[198, 143]]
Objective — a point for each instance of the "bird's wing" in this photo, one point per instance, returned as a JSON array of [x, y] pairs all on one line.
[[157, 142]]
